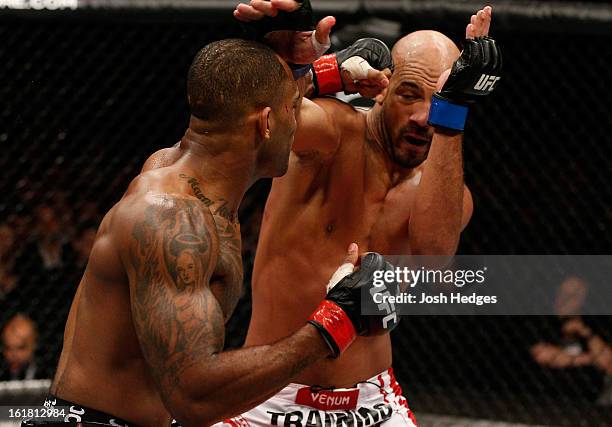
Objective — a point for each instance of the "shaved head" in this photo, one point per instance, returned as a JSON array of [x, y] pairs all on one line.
[[437, 50], [419, 58]]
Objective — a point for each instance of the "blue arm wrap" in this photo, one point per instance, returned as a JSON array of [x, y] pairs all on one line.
[[446, 114], [300, 70]]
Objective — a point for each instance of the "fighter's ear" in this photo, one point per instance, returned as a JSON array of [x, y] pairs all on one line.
[[264, 125], [381, 96]]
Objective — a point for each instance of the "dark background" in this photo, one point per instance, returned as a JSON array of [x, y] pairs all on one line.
[[86, 96]]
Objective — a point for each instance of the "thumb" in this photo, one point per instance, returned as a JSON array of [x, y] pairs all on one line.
[[347, 267], [380, 98], [323, 30], [352, 254]]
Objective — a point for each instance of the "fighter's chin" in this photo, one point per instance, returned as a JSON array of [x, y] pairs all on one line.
[[281, 170], [410, 156]]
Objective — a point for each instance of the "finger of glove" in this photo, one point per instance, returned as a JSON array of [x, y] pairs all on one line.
[[496, 54], [467, 55], [382, 52], [486, 54], [264, 7], [376, 53], [459, 65], [492, 52], [476, 55], [286, 5], [372, 261]]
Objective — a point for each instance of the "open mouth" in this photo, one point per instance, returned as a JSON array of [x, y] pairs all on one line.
[[419, 142]]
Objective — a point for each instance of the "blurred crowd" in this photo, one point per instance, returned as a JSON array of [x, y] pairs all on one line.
[[578, 341], [44, 246], [45, 241]]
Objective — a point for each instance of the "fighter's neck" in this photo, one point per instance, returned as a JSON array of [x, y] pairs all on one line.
[[220, 177], [377, 134]]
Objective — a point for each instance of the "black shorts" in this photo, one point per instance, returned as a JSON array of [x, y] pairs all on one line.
[[76, 415]]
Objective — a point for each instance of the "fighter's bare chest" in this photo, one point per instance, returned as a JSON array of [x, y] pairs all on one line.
[[377, 217], [226, 280]]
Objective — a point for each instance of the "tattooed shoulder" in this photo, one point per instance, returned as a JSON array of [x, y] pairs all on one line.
[[178, 321]]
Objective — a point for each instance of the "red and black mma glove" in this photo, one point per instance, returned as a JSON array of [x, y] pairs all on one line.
[[473, 75], [339, 317], [327, 77]]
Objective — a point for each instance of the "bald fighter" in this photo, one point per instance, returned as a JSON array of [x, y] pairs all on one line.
[[144, 338], [391, 179]]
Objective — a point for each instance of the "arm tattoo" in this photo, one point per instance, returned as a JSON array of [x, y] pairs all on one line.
[[177, 319]]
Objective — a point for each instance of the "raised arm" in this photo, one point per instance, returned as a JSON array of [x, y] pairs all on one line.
[[180, 326], [443, 205]]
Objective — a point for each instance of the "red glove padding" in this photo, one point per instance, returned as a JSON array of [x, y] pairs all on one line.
[[327, 75], [335, 326]]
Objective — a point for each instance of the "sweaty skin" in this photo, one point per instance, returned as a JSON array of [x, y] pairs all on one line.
[[359, 176], [145, 332]]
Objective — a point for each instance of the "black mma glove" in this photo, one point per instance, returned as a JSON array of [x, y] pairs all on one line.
[[338, 318], [472, 76], [327, 78]]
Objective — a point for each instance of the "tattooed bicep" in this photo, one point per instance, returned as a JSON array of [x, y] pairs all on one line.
[[178, 321]]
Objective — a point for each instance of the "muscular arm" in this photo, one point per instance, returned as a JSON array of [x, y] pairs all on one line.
[[179, 322], [316, 130], [443, 205]]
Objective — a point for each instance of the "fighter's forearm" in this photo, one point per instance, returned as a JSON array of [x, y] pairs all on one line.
[[234, 381], [436, 215]]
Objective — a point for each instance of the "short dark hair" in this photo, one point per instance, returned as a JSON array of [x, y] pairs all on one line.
[[230, 77]]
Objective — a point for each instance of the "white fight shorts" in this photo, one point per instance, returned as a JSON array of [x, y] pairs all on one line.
[[377, 401]]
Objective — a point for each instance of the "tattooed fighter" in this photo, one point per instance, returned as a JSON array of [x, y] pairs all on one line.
[[144, 338], [396, 173]]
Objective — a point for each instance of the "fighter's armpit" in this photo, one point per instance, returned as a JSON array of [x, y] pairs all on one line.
[[178, 321]]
